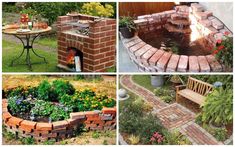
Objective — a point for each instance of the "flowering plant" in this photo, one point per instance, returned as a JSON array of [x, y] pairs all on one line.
[[224, 50], [157, 138]]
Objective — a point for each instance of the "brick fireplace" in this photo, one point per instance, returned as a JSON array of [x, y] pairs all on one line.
[[91, 38]]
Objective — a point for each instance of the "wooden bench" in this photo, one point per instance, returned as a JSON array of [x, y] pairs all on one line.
[[195, 90]]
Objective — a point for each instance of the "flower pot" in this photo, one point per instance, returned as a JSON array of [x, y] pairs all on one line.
[[126, 33], [157, 81]]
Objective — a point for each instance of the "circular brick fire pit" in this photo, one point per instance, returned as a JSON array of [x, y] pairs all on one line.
[[194, 21], [41, 131]]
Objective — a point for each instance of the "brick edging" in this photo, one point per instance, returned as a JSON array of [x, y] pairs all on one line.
[[41, 131]]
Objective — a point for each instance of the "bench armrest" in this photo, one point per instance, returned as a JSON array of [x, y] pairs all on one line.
[[180, 87]]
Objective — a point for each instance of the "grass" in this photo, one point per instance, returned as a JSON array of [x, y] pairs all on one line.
[[11, 50], [143, 80], [50, 41]]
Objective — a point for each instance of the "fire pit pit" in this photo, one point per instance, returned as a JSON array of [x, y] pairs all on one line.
[[178, 40], [92, 40]]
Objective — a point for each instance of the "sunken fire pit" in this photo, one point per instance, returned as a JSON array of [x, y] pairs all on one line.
[[86, 43], [195, 31]]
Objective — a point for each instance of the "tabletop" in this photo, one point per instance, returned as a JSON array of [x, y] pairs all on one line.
[[32, 32]]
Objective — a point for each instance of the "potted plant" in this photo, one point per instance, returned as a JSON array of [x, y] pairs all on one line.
[[127, 26]]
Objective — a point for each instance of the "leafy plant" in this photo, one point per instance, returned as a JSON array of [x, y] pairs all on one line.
[[60, 113], [220, 134], [157, 138], [42, 108], [18, 105], [165, 94], [97, 9], [27, 140], [218, 108], [175, 138], [134, 139], [49, 142], [127, 21], [95, 135], [44, 91], [61, 87]]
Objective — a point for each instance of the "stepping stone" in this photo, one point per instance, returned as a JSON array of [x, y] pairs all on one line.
[[146, 56], [172, 65], [137, 46], [204, 65], [214, 64], [153, 60], [142, 50], [183, 64], [162, 63], [193, 64]]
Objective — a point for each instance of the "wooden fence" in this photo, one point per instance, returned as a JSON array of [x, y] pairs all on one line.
[[143, 8]]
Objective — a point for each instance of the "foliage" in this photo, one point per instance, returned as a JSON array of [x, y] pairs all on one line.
[[18, 105], [156, 138], [134, 139], [61, 87], [224, 50], [218, 107], [166, 94], [144, 81], [45, 91], [60, 113], [42, 108], [176, 138], [49, 142], [97, 9], [95, 135], [127, 21], [9, 7], [8, 135], [31, 12], [220, 134], [28, 140]]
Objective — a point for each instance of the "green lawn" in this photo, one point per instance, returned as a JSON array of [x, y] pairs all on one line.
[[48, 41], [143, 80], [11, 50]]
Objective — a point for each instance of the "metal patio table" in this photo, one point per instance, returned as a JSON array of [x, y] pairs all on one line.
[[27, 39]]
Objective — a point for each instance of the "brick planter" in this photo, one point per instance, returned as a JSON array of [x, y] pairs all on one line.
[[147, 58], [96, 49], [41, 131]]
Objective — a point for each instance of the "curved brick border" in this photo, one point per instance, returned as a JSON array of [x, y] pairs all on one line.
[[151, 59], [40, 131], [173, 116]]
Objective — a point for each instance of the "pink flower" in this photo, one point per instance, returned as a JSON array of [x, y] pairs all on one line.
[[226, 33], [219, 41]]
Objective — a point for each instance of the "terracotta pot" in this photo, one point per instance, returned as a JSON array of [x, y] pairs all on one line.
[[126, 33]]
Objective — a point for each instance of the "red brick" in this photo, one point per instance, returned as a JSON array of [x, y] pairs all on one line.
[[153, 60], [214, 64], [162, 62], [6, 116], [77, 115], [4, 100], [14, 121], [142, 50], [193, 64], [60, 124], [44, 126], [106, 28], [172, 65], [109, 110], [73, 122], [4, 105], [146, 56], [137, 46], [183, 64], [27, 126], [110, 21], [204, 65]]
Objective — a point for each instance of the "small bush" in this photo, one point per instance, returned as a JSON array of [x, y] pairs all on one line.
[[42, 108], [18, 105], [165, 94], [45, 91], [61, 87], [95, 135], [134, 139], [60, 113], [28, 141]]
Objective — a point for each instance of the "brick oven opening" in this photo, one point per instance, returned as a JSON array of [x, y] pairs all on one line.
[[75, 59]]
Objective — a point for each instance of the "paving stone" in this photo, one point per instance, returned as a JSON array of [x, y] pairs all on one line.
[[153, 60], [142, 50], [162, 62], [204, 65], [183, 64], [214, 64], [172, 65], [193, 64]]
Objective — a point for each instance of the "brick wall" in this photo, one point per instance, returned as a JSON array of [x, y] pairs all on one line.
[[40, 131], [98, 47]]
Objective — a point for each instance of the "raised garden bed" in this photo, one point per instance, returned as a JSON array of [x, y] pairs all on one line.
[[56, 111]]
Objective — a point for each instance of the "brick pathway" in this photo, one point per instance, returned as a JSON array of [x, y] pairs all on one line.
[[172, 116]]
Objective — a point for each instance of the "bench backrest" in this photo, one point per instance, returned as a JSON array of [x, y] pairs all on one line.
[[198, 86]]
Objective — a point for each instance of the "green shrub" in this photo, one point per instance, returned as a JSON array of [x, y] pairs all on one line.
[[167, 98], [175, 138], [60, 113], [18, 105], [61, 87], [97, 9], [218, 107], [45, 91], [220, 134], [166, 94], [27, 140]]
